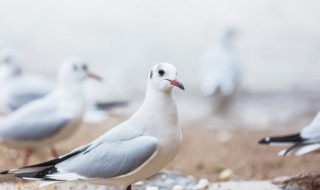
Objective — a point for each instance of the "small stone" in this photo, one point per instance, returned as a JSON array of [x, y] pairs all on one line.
[[226, 175], [224, 136], [178, 187], [152, 188], [202, 184], [139, 183]]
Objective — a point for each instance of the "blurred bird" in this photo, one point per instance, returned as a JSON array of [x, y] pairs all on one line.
[[132, 151], [16, 87], [49, 119], [221, 70], [306, 141]]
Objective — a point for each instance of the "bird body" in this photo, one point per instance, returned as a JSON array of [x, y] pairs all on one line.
[[132, 151], [51, 118], [221, 70]]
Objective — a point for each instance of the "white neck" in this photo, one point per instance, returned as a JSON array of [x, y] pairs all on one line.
[[70, 97], [156, 106]]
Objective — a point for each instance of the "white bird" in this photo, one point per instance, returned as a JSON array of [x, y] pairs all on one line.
[[51, 118], [16, 87], [221, 69], [132, 151], [306, 141]]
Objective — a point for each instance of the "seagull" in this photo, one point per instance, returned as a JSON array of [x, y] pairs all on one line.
[[221, 72], [221, 69], [306, 141], [132, 151], [16, 87], [49, 119]]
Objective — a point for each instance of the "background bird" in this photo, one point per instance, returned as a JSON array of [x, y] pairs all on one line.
[[130, 152], [52, 118], [306, 141], [18, 88], [221, 69]]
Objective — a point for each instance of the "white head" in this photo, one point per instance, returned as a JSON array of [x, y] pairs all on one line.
[[9, 63], [225, 34], [163, 76], [75, 70]]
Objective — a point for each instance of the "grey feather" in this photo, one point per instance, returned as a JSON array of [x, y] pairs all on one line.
[[33, 123], [111, 159]]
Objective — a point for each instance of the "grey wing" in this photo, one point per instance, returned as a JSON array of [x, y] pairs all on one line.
[[25, 89], [33, 124], [18, 100], [109, 160], [313, 130]]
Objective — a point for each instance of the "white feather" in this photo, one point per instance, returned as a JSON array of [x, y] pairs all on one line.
[[307, 149]]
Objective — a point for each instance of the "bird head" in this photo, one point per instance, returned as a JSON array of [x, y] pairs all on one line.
[[163, 76]]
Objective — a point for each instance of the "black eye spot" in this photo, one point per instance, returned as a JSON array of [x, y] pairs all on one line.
[[85, 67], [75, 68], [151, 73], [161, 72]]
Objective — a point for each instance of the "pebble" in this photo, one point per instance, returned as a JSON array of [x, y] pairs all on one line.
[[152, 188], [224, 136], [226, 175], [202, 184], [178, 187]]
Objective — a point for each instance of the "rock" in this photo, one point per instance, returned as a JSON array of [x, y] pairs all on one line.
[[139, 183], [224, 136], [202, 184], [226, 175], [178, 187], [152, 188]]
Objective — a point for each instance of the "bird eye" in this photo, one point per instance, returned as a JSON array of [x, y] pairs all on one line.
[[85, 67], [161, 72]]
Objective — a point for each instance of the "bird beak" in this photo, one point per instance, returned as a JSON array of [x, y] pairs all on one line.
[[176, 83], [94, 76]]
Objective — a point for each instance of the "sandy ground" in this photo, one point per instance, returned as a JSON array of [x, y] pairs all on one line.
[[211, 144], [205, 154]]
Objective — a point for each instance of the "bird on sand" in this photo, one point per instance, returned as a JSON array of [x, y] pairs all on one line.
[[132, 151], [303, 142], [221, 70], [51, 118]]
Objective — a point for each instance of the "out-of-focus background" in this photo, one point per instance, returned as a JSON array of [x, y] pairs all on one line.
[[276, 42]]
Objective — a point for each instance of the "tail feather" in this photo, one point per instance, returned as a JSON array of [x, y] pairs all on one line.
[[37, 174], [295, 138], [39, 170], [307, 149]]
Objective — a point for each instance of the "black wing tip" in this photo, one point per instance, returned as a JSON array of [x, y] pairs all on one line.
[[4, 172], [265, 140], [295, 138], [38, 175]]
